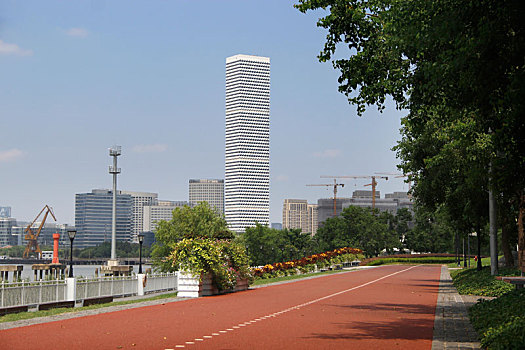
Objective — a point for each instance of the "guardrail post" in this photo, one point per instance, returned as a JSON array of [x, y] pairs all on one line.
[[140, 281], [71, 289]]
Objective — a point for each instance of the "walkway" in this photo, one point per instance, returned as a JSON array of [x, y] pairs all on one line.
[[452, 328], [381, 308]]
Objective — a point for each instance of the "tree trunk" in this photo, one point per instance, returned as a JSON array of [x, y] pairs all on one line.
[[521, 234], [505, 245], [479, 265]]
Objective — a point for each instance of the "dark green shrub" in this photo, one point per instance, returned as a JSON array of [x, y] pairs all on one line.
[[501, 322]]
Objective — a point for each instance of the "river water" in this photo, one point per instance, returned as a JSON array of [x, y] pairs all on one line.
[[78, 270]]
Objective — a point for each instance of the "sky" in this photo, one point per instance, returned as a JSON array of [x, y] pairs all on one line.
[[77, 77]]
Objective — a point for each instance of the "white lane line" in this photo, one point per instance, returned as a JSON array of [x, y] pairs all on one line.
[[208, 336], [305, 304], [198, 339], [190, 342]]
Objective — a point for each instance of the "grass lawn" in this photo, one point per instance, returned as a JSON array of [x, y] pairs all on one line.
[[28, 315], [473, 263]]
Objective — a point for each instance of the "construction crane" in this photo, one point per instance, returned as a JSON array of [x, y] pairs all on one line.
[[397, 175], [31, 237], [335, 184], [373, 184]]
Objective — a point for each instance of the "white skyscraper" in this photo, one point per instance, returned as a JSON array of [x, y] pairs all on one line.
[[247, 156]]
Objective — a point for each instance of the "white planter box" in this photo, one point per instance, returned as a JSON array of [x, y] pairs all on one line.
[[189, 286]]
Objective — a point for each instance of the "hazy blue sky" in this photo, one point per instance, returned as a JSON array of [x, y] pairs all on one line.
[[79, 76]]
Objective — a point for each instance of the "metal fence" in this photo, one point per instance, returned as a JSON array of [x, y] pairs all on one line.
[[106, 286], [161, 281], [36, 293], [32, 293]]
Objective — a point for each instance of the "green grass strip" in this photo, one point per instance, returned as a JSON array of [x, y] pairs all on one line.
[[58, 311]]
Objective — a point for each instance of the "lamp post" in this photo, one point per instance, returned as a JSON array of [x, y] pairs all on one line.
[[141, 240], [71, 233]]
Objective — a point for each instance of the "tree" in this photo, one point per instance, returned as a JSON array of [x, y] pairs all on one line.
[[266, 245], [363, 228], [457, 67], [200, 221]]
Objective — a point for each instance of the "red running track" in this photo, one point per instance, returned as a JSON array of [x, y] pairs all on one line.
[[381, 308]]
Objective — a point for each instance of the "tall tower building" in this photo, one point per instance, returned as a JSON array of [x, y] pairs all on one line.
[[247, 152], [207, 190]]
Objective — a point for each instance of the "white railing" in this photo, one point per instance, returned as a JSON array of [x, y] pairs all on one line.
[[36, 293], [161, 281], [32, 293], [106, 286]]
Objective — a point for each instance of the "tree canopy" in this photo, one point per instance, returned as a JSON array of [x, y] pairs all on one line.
[[200, 221], [458, 68]]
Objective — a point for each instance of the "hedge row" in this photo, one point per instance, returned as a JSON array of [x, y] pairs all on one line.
[[411, 260], [500, 323], [473, 282]]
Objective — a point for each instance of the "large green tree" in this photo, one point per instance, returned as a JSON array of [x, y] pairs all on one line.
[[267, 245], [457, 67], [363, 228], [201, 221]]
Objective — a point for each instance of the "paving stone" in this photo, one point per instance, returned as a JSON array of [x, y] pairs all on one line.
[[452, 328]]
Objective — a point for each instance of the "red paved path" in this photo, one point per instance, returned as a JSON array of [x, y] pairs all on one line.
[[382, 308]]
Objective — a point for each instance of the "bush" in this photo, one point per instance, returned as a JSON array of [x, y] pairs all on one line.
[[501, 322], [473, 282], [224, 259], [410, 258]]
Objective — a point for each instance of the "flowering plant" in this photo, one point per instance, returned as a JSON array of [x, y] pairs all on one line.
[[225, 260], [308, 263]]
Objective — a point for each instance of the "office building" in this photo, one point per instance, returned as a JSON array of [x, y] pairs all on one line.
[[93, 217], [139, 199], [247, 144], [297, 213], [313, 219], [162, 211], [5, 212], [6, 225], [276, 225], [207, 190]]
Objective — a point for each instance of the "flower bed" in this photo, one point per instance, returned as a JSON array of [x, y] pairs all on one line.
[[307, 264]]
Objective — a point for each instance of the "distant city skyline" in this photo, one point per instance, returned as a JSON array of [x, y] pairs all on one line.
[[78, 78]]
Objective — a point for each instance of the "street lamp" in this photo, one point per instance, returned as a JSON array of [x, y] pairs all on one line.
[[71, 233], [141, 240]]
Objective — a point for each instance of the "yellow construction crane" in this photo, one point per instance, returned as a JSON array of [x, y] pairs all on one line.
[[32, 238], [397, 175], [335, 184], [373, 184]]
